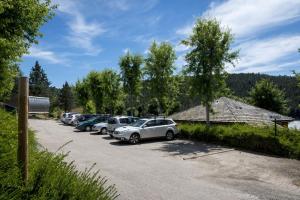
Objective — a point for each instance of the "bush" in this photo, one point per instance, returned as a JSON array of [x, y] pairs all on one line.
[[262, 139], [49, 176]]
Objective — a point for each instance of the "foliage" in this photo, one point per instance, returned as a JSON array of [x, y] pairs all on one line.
[[38, 81], [102, 90], [131, 75], [50, 177], [158, 71], [210, 51], [8, 76], [266, 94], [89, 107], [66, 97], [82, 94], [241, 84], [261, 139], [20, 21]]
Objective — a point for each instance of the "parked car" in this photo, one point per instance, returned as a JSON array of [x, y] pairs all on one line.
[[64, 116], [88, 124], [118, 121], [71, 119], [84, 117], [147, 128], [101, 127]]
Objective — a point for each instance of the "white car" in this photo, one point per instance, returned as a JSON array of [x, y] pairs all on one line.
[[147, 128], [100, 127], [66, 116], [71, 119], [118, 121]]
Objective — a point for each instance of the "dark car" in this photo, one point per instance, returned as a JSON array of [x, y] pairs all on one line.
[[88, 124], [84, 117]]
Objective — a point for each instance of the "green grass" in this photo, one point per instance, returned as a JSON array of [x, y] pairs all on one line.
[[49, 176], [261, 139]]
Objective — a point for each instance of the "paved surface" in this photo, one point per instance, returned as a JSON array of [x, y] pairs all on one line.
[[176, 169]]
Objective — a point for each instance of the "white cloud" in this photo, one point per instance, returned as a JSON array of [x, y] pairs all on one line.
[[127, 50], [35, 52], [82, 33], [247, 17], [181, 48], [268, 55]]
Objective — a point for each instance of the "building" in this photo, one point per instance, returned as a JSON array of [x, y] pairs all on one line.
[[226, 110]]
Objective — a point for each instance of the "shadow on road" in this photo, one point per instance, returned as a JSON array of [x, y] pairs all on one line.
[[183, 147]]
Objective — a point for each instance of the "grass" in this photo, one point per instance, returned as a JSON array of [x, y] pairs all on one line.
[[261, 139], [49, 176]]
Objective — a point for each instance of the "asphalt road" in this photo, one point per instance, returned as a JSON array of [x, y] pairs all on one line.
[[178, 169]]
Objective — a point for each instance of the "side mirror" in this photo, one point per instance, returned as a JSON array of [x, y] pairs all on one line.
[[144, 126]]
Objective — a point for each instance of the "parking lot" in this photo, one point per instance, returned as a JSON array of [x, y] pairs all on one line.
[[178, 169]]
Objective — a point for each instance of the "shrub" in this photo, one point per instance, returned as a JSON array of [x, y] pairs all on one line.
[[262, 139], [49, 176]]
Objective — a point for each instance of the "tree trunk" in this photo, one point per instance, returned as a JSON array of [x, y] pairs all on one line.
[[207, 114]]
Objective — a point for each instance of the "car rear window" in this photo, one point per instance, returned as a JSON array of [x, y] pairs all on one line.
[[112, 121], [124, 120]]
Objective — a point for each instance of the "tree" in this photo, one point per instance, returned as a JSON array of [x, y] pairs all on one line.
[[267, 95], [210, 51], [83, 96], [112, 91], [131, 75], [95, 88], [38, 81], [66, 97], [158, 71], [20, 21]]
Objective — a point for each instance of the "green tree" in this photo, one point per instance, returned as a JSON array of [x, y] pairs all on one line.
[[267, 95], [38, 81], [82, 94], [158, 71], [131, 75], [95, 88], [210, 51], [112, 91], [66, 99], [20, 21]]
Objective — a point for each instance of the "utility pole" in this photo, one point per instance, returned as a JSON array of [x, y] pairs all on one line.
[[23, 127]]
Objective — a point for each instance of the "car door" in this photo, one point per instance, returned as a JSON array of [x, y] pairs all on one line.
[[161, 128], [148, 130]]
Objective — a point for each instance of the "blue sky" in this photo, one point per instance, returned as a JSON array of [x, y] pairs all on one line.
[[90, 35]]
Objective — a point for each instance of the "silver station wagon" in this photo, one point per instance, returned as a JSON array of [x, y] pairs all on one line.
[[147, 128]]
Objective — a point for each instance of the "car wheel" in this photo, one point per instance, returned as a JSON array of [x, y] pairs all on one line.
[[103, 131], [88, 128], [170, 135], [134, 138]]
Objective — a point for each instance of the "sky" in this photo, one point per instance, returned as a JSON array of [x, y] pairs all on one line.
[[90, 35]]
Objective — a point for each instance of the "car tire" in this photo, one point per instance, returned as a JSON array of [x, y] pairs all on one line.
[[134, 138], [103, 131], [170, 135], [88, 128]]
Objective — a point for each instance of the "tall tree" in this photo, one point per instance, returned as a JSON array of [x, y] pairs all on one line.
[[210, 51], [95, 87], [20, 21], [131, 75], [113, 96], [266, 94], [158, 71], [38, 81], [66, 97], [83, 95]]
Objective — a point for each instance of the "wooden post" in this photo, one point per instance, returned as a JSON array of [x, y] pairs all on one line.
[[275, 126], [23, 127]]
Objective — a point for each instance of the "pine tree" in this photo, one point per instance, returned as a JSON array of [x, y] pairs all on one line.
[[66, 97], [38, 81]]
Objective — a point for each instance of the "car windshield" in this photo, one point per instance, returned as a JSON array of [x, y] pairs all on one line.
[[138, 123]]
